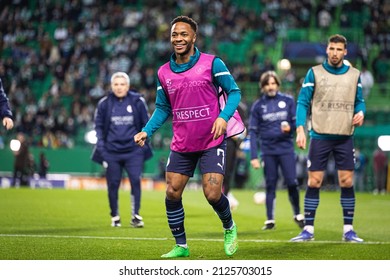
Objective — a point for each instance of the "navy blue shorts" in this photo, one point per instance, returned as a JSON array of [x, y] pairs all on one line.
[[320, 150], [210, 161]]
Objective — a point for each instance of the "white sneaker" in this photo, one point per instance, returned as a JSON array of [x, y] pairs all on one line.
[[232, 201], [300, 220], [137, 221], [116, 221]]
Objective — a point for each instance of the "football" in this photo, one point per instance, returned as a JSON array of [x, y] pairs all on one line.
[[259, 198]]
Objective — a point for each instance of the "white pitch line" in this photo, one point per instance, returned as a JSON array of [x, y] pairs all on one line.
[[190, 239]]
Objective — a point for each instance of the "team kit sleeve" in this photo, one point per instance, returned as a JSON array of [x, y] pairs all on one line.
[[304, 98], [161, 113], [222, 78], [360, 104]]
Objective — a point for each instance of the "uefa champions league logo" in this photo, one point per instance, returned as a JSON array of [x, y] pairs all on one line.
[[199, 70]]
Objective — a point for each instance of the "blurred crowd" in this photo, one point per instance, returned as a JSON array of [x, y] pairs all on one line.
[[57, 56]]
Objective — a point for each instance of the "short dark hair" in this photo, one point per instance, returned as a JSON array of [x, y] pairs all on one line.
[[264, 78], [337, 38], [186, 19]]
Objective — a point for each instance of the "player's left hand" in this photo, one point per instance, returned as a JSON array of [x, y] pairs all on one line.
[[219, 128]]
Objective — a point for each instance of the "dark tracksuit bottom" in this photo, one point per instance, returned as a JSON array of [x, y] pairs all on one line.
[[288, 166], [133, 163]]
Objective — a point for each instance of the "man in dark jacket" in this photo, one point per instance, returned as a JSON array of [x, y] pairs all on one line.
[[5, 110], [6, 118], [118, 117], [271, 126]]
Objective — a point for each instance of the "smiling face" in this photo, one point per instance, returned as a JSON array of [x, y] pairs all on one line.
[[336, 53], [183, 38], [120, 87]]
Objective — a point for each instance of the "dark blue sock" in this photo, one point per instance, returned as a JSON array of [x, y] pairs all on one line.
[[175, 215], [222, 209], [312, 199], [347, 200]]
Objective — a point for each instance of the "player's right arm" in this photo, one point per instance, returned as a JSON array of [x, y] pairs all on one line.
[[160, 115], [303, 104], [301, 137]]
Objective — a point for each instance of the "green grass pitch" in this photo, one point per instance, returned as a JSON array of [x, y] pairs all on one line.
[[57, 224]]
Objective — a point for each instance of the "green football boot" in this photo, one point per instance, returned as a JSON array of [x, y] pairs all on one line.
[[231, 242], [177, 252]]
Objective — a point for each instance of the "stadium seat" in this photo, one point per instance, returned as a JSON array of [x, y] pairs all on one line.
[[297, 35]]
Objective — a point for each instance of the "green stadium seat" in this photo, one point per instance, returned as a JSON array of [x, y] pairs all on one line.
[[353, 34], [381, 117], [297, 35]]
